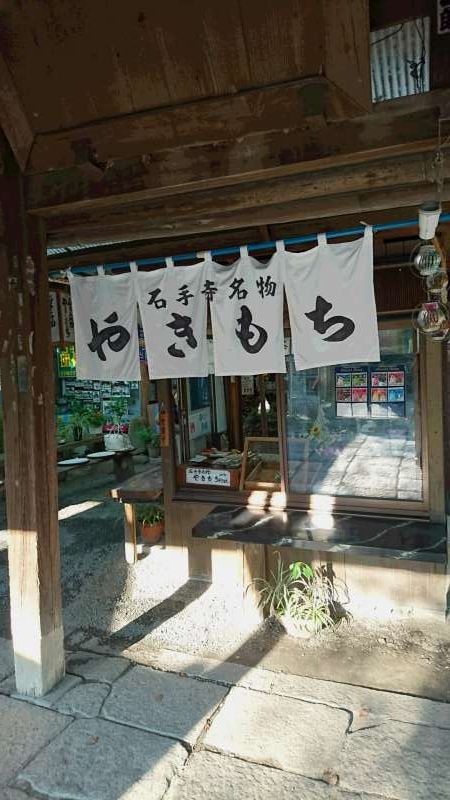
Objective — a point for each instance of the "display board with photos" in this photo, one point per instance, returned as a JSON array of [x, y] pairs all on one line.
[[377, 392]]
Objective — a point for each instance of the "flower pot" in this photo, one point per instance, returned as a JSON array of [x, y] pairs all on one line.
[[153, 452], [299, 629], [116, 441], [152, 533], [95, 430]]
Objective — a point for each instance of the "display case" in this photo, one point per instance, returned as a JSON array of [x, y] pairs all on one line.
[[261, 464]]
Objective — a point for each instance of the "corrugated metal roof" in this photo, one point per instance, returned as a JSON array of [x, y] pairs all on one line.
[[75, 248], [400, 60]]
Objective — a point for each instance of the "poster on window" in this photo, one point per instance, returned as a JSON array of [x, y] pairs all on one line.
[[388, 398], [331, 303], [246, 303], [173, 310], [352, 392], [106, 333]]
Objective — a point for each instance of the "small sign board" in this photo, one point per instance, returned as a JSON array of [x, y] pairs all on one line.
[[443, 16], [204, 476]]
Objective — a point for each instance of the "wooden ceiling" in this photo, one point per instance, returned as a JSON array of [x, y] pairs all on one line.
[[79, 61], [194, 121]]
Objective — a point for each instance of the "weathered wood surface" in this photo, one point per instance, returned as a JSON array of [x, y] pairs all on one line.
[[141, 488], [142, 171], [13, 118], [136, 57], [30, 437]]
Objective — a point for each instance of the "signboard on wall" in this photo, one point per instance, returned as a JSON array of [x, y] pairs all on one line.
[[376, 392], [54, 317], [443, 16], [66, 319]]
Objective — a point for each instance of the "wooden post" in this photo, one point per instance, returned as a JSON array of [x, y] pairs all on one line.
[[130, 533], [29, 419]]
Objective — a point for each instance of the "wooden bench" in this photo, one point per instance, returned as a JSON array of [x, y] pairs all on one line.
[[146, 487]]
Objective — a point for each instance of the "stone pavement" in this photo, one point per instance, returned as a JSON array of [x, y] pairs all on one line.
[[180, 727]]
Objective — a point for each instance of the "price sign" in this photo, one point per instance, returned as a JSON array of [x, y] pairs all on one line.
[[202, 476]]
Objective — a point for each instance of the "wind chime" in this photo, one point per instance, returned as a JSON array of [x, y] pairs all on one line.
[[432, 317]]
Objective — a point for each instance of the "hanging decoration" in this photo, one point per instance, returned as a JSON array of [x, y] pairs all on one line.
[[331, 303], [246, 304], [106, 333], [432, 317], [173, 312]]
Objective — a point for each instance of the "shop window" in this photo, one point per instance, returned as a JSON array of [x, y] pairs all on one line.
[[355, 430], [222, 423]]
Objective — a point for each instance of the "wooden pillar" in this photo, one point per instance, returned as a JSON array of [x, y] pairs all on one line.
[[29, 421]]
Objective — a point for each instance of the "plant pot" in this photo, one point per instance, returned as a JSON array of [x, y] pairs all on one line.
[[299, 629], [116, 441], [95, 430], [77, 431], [152, 533], [153, 452]]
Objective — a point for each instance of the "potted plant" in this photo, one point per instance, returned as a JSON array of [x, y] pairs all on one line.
[[77, 420], [301, 597], [95, 420], [117, 437], [151, 520]]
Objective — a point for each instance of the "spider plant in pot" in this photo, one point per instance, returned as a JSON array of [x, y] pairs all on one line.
[[151, 521], [301, 597]]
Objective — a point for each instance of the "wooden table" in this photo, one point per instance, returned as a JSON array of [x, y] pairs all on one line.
[[146, 487], [123, 461]]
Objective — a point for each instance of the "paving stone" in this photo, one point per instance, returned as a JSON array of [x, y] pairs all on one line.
[[85, 700], [209, 776], [164, 703], [367, 706], [6, 658], [97, 759], [212, 669], [398, 761], [279, 732], [93, 667], [24, 730], [52, 697]]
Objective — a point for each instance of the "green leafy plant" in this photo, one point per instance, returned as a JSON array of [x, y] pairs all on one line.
[[150, 515], [303, 594], [117, 410], [94, 417], [148, 436]]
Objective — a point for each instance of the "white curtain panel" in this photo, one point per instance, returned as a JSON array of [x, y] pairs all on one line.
[[106, 334], [173, 311], [331, 303], [246, 303]]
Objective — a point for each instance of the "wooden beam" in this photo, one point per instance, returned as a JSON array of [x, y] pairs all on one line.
[[408, 125], [315, 208], [30, 437], [391, 173], [13, 118]]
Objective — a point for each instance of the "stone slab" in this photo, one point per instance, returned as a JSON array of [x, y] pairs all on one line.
[[85, 700], [398, 761], [96, 759], [367, 706], [209, 775], [52, 697], [6, 658], [279, 732], [24, 730], [213, 670], [93, 667], [171, 705]]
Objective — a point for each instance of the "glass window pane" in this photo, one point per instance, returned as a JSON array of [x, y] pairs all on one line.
[[355, 430]]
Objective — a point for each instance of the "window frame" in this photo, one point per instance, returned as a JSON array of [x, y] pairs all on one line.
[[432, 505]]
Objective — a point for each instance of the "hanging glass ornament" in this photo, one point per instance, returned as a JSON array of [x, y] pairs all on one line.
[[430, 317], [436, 284], [425, 259]]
